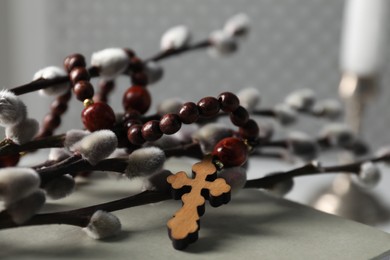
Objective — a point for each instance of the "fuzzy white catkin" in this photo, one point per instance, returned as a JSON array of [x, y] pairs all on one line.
[[111, 62], [338, 134], [157, 182], [96, 146], [12, 109], [222, 44], [60, 187], [17, 182], [170, 105], [103, 225], [165, 142], [285, 114], [186, 132], [52, 72], [369, 174], [73, 136], [238, 25], [302, 99], [145, 162], [154, 72], [235, 177], [175, 38], [209, 135], [23, 209], [22, 132], [329, 108], [249, 98], [58, 154], [302, 145]]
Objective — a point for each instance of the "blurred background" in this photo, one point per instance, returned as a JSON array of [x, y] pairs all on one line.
[[293, 44]]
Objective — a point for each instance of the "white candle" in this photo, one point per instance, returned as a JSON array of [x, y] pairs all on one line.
[[364, 36]]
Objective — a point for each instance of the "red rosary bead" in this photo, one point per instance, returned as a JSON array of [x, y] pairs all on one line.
[[231, 151], [83, 90], [151, 130], [137, 98], [170, 124], [240, 116], [228, 101], [189, 113], [208, 106], [250, 130], [134, 135], [98, 116], [73, 61], [78, 74]]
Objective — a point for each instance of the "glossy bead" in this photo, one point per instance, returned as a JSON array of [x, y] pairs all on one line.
[[239, 117], [78, 74], [98, 116], [83, 90], [170, 124], [189, 113], [231, 152], [250, 130], [51, 121], [73, 61], [137, 98], [208, 106], [151, 131], [139, 78], [228, 101], [134, 135], [9, 160], [58, 108]]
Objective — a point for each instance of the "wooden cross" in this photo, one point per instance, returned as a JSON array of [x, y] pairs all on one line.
[[183, 227]]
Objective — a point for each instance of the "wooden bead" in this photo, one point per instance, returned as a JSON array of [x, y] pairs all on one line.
[[250, 130], [98, 116], [9, 160], [208, 106], [240, 116], [58, 108], [231, 151], [151, 131], [170, 124], [73, 61], [137, 98], [51, 121], [78, 74], [83, 90], [189, 113], [134, 135], [139, 78], [228, 101]]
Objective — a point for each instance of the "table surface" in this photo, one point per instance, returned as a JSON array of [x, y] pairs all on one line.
[[253, 225]]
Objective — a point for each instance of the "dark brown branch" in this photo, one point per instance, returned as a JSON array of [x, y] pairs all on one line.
[[80, 217]]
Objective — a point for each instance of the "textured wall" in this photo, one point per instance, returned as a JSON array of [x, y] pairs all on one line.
[[293, 44]]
